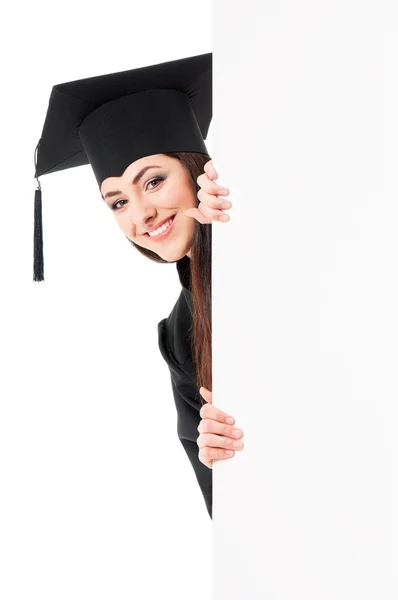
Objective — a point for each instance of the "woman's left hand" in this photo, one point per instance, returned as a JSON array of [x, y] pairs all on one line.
[[211, 206]]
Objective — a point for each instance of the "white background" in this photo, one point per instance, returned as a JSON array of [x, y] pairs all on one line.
[[97, 496], [305, 289]]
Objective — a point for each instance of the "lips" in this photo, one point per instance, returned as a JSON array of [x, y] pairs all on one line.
[[160, 224]]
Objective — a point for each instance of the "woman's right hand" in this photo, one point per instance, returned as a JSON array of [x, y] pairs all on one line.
[[215, 439]]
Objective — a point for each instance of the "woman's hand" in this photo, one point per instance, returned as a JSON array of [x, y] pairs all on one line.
[[211, 204], [216, 440]]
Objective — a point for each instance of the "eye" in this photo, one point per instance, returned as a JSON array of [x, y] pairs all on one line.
[[114, 205], [152, 180], [117, 202]]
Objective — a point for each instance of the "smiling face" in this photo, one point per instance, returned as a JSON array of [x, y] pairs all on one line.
[[149, 192]]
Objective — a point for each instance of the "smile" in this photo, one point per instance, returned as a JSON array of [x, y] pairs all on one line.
[[165, 230]]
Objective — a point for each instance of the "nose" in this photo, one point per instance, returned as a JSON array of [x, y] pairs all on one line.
[[141, 216]]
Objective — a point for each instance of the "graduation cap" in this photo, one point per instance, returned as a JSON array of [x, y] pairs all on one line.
[[109, 121]]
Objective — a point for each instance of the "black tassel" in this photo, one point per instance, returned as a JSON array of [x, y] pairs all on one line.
[[38, 259]]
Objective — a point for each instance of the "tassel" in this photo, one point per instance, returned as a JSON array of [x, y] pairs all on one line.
[[38, 259]]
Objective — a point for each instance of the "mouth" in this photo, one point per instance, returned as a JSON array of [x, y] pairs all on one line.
[[165, 233]]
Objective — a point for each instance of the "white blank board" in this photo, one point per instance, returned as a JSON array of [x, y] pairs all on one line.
[[305, 299]]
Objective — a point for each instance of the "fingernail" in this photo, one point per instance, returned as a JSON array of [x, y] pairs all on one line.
[[229, 420]]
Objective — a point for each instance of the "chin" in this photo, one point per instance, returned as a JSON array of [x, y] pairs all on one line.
[[173, 254]]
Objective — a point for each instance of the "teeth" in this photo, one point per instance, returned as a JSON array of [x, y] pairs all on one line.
[[160, 229]]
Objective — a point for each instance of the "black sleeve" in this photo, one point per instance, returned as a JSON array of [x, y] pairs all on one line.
[[188, 419], [187, 403]]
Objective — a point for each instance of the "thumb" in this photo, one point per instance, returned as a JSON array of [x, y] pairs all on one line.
[[192, 212], [206, 394]]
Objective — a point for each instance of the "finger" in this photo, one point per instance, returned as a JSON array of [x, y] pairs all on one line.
[[205, 214], [212, 201], [196, 214], [210, 186], [210, 170], [210, 209], [206, 394], [207, 455], [211, 426], [208, 411], [218, 441], [207, 464], [212, 214], [203, 220]]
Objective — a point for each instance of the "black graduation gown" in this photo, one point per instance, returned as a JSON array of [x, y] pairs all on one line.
[[174, 345]]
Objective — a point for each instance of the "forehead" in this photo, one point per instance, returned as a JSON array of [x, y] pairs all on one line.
[[134, 168], [153, 159]]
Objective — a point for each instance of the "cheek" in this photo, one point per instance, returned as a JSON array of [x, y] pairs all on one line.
[[183, 196]]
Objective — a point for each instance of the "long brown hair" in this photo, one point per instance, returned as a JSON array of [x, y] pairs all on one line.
[[200, 276]]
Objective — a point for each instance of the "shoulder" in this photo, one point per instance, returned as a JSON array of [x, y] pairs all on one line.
[[174, 343], [175, 331]]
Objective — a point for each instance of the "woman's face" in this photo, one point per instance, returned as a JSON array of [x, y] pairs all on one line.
[[150, 191]]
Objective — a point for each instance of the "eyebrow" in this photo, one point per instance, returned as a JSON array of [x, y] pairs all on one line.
[[135, 180]]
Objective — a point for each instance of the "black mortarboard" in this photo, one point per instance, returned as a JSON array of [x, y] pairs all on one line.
[[109, 121]]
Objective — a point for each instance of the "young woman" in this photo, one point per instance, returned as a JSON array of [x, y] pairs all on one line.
[[155, 203], [143, 131]]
